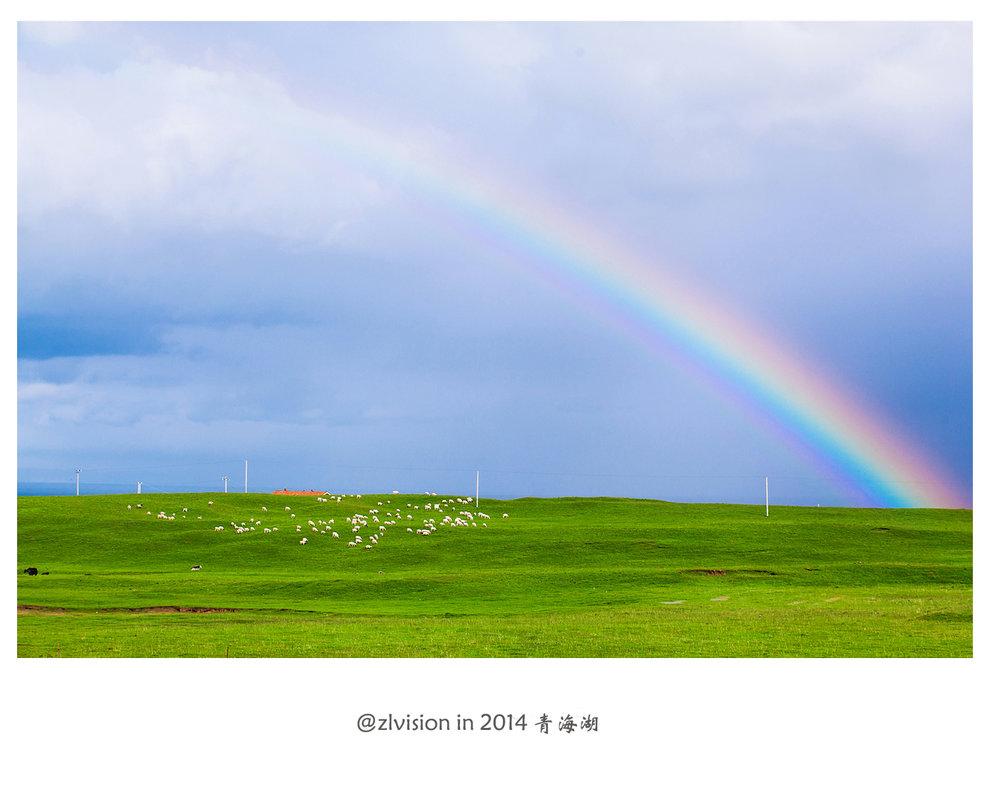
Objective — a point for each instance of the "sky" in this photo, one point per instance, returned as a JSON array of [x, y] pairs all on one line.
[[216, 261]]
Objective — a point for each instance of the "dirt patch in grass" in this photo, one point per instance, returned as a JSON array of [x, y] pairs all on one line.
[[947, 617], [37, 610], [177, 609], [42, 610], [720, 572]]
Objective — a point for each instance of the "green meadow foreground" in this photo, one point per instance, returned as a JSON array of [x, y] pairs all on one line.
[[557, 578]]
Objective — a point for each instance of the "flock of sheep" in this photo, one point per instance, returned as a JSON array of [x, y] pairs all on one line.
[[375, 523]]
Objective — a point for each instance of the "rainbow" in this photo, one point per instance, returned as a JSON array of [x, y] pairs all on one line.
[[794, 397]]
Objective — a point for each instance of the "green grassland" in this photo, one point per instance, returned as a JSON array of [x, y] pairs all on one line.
[[568, 577]]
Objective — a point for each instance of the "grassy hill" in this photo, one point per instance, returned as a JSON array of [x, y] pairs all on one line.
[[557, 577]]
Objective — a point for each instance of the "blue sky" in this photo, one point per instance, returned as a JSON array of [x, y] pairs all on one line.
[[203, 277]]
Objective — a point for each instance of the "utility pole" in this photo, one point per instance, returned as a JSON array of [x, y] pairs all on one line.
[[477, 486], [78, 471], [225, 480], [766, 492], [245, 477], [139, 487]]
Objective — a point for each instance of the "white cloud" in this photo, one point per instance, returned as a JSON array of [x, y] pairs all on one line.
[[216, 146], [700, 104], [53, 34], [162, 143]]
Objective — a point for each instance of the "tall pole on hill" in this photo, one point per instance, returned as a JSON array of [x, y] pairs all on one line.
[[766, 492], [225, 480], [139, 487], [477, 486], [78, 471], [245, 477]]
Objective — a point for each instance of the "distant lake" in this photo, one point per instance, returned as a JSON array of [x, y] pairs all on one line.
[[69, 488]]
